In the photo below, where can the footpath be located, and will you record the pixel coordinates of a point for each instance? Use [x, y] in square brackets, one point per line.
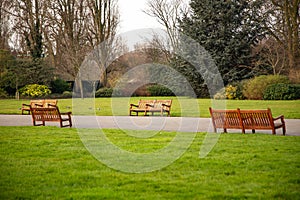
[180, 124]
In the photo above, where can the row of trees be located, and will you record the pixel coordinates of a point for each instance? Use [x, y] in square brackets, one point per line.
[54, 34]
[245, 37]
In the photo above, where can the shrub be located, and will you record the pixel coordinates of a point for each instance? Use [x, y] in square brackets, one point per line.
[59, 86]
[104, 92]
[282, 91]
[221, 94]
[3, 93]
[233, 91]
[67, 94]
[35, 90]
[255, 88]
[159, 90]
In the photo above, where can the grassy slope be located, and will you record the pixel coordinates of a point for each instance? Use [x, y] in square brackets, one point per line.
[181, 106]
[49, 162]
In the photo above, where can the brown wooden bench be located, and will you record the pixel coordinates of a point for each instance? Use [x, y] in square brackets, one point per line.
[37, 103]
[226, 119]
[152, 106]
[143, 106]
[161, 106]
[51, 114]
[246, 119]
[262, 120]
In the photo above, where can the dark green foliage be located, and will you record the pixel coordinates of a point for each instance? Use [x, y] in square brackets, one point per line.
[282, 91]
[227, 29]
[255, 88]
[3, 93]
[159, 90]
[104, 92]
[59, 86]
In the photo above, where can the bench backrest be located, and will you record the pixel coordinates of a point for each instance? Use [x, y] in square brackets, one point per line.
[46, 114]
[36, 103]
[48, 102]
[257, 118]
[166, 104]
[226, 118]
[145, 103]
[43, 103]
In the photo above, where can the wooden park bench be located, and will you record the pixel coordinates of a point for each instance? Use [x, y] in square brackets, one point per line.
[246, 119]
[143, 106]
[50, 114]
[161, 106]
[37, 103]
[152, 106]
[262, 120]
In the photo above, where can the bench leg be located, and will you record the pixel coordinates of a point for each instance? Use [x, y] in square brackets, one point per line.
[253, 130]
[283, 130]
[225, 130]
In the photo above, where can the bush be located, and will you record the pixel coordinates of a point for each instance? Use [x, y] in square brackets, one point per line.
[59, 86]
[104, 92]
[67, 94]
[255, 88]
[35, 90]
[233, 91]
[282, 91]
[3, 93]
[159, 90]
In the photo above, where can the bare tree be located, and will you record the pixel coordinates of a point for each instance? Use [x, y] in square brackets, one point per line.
[167, 13]
[284, 26]
[102, 30]
[5, 29]
[29, 19]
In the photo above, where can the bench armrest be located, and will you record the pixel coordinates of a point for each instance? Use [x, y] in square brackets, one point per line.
[66, 113]
[25, 105]
[166, 105]
[149, 105]
[281, 117]
[133, 105]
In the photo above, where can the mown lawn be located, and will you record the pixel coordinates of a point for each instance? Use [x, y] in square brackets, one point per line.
[181, 106]
[52, 163]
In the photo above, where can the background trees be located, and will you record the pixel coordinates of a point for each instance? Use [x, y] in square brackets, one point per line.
[246, 38]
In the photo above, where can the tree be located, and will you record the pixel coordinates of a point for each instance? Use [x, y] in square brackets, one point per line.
[283, 28]
[102, 30]
[5, 29]
[29, 15]
[228, 30]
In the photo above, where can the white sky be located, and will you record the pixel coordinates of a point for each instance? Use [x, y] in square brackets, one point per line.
[132, 16]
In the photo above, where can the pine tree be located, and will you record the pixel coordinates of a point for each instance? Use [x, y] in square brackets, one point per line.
[226, 29]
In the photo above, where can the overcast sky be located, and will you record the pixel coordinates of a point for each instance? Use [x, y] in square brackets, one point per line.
[132, 16]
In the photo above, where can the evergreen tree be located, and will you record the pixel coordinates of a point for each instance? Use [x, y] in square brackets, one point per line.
[226, 29]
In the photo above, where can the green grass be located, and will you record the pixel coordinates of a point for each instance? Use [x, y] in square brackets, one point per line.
[182, 106]
[52, 163]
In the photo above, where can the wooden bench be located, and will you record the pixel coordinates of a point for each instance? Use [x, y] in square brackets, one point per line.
[262, 120]
[143, 106]
[161, 106]
[226, 119]
[246, 119]
[51, 114]
[152, 106]
[37, 103]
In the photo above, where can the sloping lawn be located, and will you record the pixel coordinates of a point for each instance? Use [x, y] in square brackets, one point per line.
[181, 106]
[52, 163]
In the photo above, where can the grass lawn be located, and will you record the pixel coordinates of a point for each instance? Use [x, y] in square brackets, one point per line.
[181, 106]
[52, 163]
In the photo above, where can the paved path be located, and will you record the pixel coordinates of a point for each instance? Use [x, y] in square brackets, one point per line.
[183, 124]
